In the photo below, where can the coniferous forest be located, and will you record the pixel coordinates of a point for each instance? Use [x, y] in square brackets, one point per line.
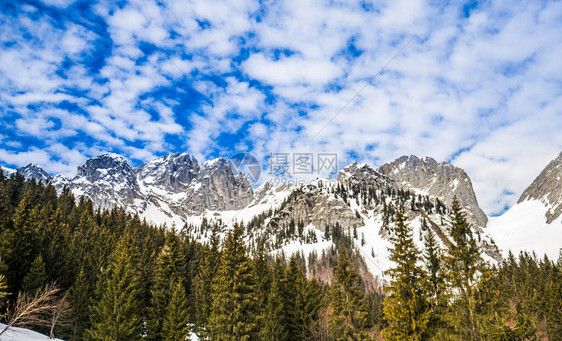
[77, 273]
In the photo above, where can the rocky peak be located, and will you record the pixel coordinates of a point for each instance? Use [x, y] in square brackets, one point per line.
[105, 166]
[362, 173]
[108, 180]
[442, 180]
[547, 187]
[217, 188]
[173, 172]
[34, 171]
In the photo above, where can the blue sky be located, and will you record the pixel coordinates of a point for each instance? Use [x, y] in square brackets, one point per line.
[478, 85]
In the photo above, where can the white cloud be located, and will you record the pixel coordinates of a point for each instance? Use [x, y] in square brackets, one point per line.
[489, 84]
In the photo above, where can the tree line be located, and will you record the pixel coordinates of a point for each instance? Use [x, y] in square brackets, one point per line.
[109, 275]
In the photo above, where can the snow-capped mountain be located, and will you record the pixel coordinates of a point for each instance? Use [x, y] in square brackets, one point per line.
[535, 222]
[165, 190]
[108, 180]
[355, 209]
[30, 171]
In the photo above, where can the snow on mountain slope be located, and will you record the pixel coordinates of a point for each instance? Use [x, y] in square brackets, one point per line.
[535, 222]
[22, 334]
[524, 227]
[34, 171]
[7, 171]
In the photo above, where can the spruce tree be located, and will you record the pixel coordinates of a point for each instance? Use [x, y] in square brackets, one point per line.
[273, 317]
[3, 295]
[348, 318]
[292, 284]
[312, 300]
[261, 273]
[79, 297]
[435, 282]
[23, 242]
[406, 309]
[36, 277]
[176, 319]
[170, 268]
[204, 280]
[233, 312]
[463, 262]
[117, 314]
[433, 264]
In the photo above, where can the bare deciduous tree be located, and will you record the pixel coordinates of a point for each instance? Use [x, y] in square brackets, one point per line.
[60, 315]
[33, 309]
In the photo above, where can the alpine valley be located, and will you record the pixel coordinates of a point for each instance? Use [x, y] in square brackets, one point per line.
[353, 210]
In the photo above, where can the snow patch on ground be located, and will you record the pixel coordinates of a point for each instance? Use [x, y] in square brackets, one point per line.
[21, 334]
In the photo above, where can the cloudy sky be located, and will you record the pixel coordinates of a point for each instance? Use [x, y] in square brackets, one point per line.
[474, 83]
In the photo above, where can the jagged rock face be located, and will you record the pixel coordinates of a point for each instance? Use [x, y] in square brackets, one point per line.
[33, 171]
[363, 174]
[108, 180]
[217, 188]
[442, 180]
[311, 205]
[173, 172]
[547, 187]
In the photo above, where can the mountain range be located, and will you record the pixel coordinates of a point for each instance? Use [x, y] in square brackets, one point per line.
[177, 191]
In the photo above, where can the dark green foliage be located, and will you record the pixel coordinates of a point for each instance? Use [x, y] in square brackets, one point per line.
[175, 326]
[3, 295]
[117, 314]
[233, 311]
[349, 317]
[407, 309]
[204, 280]
[462, 261]
[162, 282]
[36, 277]
[273, 317]
[79, 297]
[170, 269]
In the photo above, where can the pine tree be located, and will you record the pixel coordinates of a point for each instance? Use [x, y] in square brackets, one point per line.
[175, 326]
[22, 243]
[274, 328]
[204, 280]
[463, 261]
[292, 283]
[406, 309]
[79, 297]
[435, 280]
[117, 315]
[434, 265]
[3, 295]
[261, 273]
[311, 298]
[36, 277]
[233, 313]
[348, 318]
[170, 268]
